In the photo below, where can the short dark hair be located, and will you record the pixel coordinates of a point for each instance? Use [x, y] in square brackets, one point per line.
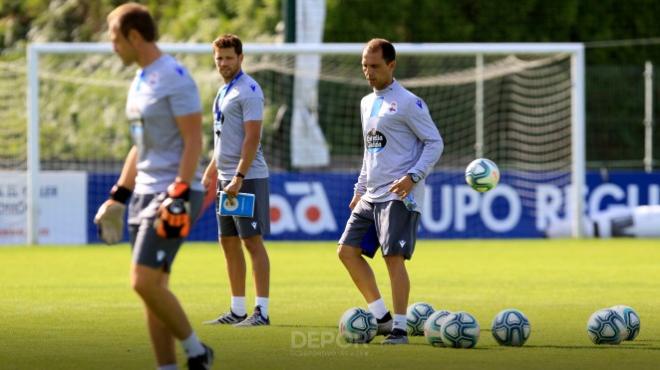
[134, 16]
[228, 41]
[389, 54]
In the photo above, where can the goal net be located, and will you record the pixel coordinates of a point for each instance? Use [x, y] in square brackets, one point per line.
[520, 105]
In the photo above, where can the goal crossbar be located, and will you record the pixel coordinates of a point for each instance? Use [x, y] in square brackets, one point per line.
[576, 51]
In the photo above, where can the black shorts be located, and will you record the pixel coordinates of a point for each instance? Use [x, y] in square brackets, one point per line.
[148, 248]
[389, 225]
[245, 227]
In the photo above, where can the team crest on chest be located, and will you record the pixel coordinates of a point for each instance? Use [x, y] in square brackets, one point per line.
[153, 78]
[392, 108]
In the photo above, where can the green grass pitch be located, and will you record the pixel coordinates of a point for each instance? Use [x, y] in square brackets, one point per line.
[72, 308]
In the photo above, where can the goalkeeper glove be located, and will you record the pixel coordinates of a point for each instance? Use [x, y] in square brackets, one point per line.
[110, 216]
[173, 220]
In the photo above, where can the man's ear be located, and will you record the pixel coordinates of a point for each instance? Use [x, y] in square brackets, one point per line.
[133, 37]
[392, 64]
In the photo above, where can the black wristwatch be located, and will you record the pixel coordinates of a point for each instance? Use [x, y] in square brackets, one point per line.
[238, 174]
[414, 177]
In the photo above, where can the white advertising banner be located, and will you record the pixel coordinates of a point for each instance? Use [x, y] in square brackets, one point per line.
[62, 207]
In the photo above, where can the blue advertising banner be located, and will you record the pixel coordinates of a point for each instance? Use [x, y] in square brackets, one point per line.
[314, 206]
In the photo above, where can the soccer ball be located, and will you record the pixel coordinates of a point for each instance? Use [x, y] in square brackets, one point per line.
[511, 328]
[482, 174]
[433, 325]
[460, 330]
[358, 326]
[606, 326]
[416, 316]
[630, 318]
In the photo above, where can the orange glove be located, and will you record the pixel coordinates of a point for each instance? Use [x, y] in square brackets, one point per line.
[173, 219]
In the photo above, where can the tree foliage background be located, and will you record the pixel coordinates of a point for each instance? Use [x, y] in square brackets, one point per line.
[502, 21]
[178, 20]
[358, 20]
[614, 74]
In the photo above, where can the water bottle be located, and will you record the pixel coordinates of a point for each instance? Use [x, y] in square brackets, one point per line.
[409, 202]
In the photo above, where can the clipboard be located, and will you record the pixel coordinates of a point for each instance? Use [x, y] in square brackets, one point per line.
[240, 206]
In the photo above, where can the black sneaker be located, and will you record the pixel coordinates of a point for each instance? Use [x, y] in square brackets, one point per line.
[226, 318]
[397, 336]
[255, 320]
[203, 361]
[384, 324]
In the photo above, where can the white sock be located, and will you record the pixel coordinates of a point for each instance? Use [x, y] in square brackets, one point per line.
[399, 322]
[238, 306]
[192, 346]
[263, 302]
[377, 308]
[168, 367]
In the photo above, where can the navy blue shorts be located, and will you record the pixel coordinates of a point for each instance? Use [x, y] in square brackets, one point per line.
[388, 225]
[245, 227]
[148, 248]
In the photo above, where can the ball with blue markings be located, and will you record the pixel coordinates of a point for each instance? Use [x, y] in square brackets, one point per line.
[511, 328]
[482, 174]
[433, 326]
[606, 326]
[358, 326]
[460, 330]
[416, 316]
[631, 319]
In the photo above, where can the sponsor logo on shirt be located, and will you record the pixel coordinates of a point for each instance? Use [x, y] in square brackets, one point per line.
[375, 141]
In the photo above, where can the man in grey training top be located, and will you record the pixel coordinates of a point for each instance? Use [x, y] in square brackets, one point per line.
[162, 175]
[240, 166]
[402, 144]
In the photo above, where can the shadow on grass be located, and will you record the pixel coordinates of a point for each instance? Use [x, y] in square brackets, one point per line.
[640, 347]
[647, 341]
[477, 348]
[298, 326]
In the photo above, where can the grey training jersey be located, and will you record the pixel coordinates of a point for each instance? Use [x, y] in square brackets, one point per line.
[237, 102]
[399, 138]
[160, 92]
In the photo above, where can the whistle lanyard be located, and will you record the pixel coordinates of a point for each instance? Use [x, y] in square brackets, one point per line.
[221, 96]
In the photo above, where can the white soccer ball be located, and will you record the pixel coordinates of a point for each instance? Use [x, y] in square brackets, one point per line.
[630, 318]
[482, 174]
[606, 326]
[358, 326]
[432, 327]
[460, 330]
[416, 316]
[511, 328]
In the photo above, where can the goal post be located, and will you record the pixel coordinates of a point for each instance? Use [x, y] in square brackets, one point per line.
[480, 64]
